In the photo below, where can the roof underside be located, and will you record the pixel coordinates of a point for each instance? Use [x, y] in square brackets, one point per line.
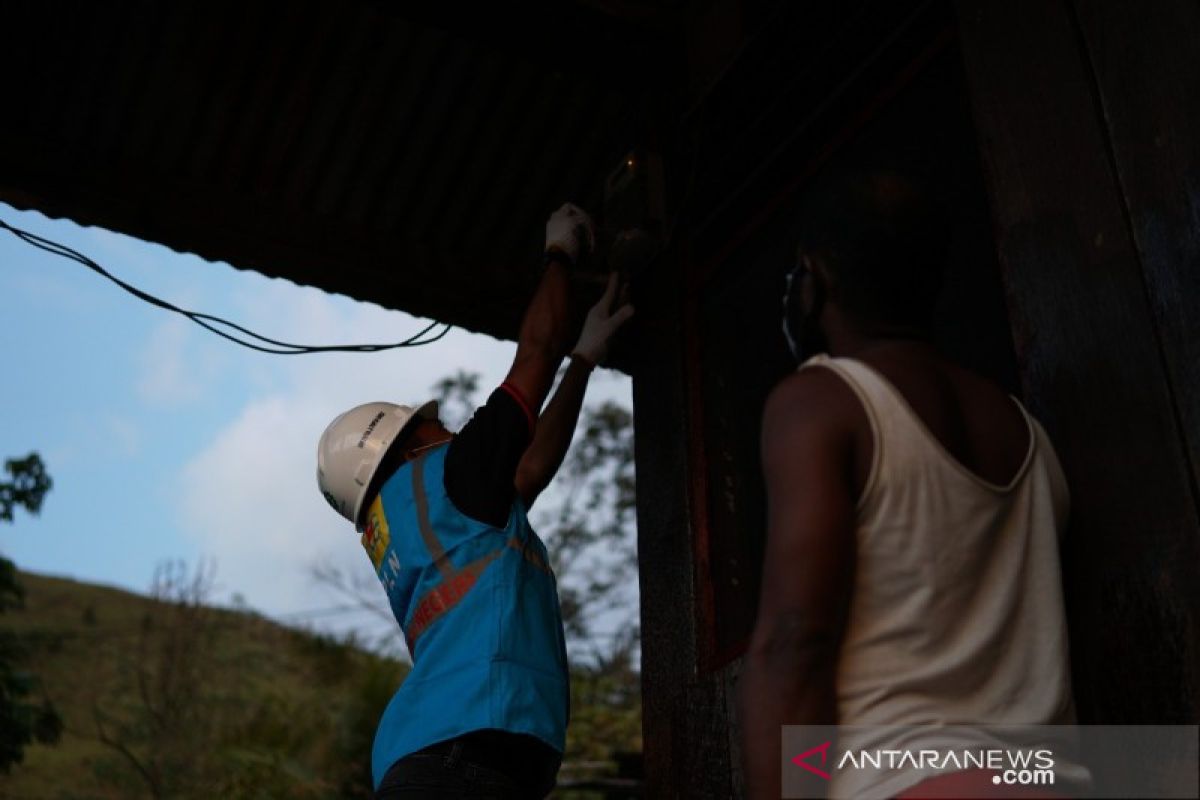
[404, 154]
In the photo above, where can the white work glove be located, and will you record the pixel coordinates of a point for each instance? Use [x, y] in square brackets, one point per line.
[600, 325]
[570, 231]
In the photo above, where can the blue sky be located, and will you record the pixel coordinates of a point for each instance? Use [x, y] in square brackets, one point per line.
[165, 441]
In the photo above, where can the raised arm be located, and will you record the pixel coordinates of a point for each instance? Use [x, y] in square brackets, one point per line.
[556, 426]
[789, 670]
[546, 329]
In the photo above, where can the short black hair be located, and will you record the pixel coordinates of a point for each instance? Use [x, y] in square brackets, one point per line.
[883, 237]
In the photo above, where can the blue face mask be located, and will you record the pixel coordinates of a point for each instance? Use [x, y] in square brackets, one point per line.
[800, 329]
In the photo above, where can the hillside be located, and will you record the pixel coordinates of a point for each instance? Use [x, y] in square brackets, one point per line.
[178, 699]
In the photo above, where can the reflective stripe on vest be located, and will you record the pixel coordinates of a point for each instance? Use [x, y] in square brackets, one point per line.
[528, 555]
[455, 583]
[445, 595]
[432, 544]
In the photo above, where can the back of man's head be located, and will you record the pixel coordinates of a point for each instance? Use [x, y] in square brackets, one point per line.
[881, 237]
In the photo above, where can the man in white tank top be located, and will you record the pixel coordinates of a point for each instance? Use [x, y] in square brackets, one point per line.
[911, 574]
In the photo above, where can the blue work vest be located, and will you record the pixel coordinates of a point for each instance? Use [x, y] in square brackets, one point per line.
[479, 609]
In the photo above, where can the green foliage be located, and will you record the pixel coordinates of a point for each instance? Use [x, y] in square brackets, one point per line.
[368, 695]
[589, 532]
[162, 718]
[166, 696]
[606, 708]
[456, 397]
[27, 488]
[24, 719]
[12, 594]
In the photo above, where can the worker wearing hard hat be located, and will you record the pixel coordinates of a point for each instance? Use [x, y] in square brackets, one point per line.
[483, 712]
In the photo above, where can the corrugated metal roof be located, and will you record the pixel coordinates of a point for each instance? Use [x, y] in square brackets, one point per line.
[397, 153]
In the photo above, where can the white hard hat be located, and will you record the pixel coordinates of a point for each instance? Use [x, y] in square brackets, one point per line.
[353, 446]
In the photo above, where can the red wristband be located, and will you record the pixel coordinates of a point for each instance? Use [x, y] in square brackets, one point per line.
[515, 393]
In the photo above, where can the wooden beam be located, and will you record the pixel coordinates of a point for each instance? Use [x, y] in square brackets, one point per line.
[666, 550]
[252, 233]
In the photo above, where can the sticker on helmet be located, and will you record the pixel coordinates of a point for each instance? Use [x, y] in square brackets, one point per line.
[370, 427]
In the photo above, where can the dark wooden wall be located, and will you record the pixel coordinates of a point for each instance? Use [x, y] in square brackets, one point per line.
[1088, 122]
[1069, 132]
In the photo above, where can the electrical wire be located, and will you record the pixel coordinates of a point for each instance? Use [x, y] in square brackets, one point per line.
[215, 324]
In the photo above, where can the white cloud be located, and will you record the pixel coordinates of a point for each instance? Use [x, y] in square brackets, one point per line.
[172, 371]
[249, 500]
[124, 436]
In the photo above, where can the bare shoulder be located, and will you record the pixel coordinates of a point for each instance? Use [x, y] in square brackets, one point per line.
[972, 381]
[998, 434]
[987, 398]
[814, 398]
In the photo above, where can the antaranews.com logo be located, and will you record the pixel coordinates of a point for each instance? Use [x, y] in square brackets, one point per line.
[980, 762]
[1011, 767]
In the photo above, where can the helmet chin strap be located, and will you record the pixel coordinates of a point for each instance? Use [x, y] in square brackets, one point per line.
[412, 452]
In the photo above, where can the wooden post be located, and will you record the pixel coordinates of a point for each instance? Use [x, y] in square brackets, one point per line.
[665, 552]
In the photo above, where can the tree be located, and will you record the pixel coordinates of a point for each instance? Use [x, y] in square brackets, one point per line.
[589, 531]
[456, 397]
[28, 486]
[163, 723]
[23, 720]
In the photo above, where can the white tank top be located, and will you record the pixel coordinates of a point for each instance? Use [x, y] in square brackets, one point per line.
[957, 613]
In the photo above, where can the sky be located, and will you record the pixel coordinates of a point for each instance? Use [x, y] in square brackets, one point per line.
[167, 442]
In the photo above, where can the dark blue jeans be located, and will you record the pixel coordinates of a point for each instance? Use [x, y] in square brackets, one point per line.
[450, 775]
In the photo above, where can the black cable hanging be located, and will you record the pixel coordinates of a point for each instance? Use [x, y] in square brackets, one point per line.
[211, 323]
